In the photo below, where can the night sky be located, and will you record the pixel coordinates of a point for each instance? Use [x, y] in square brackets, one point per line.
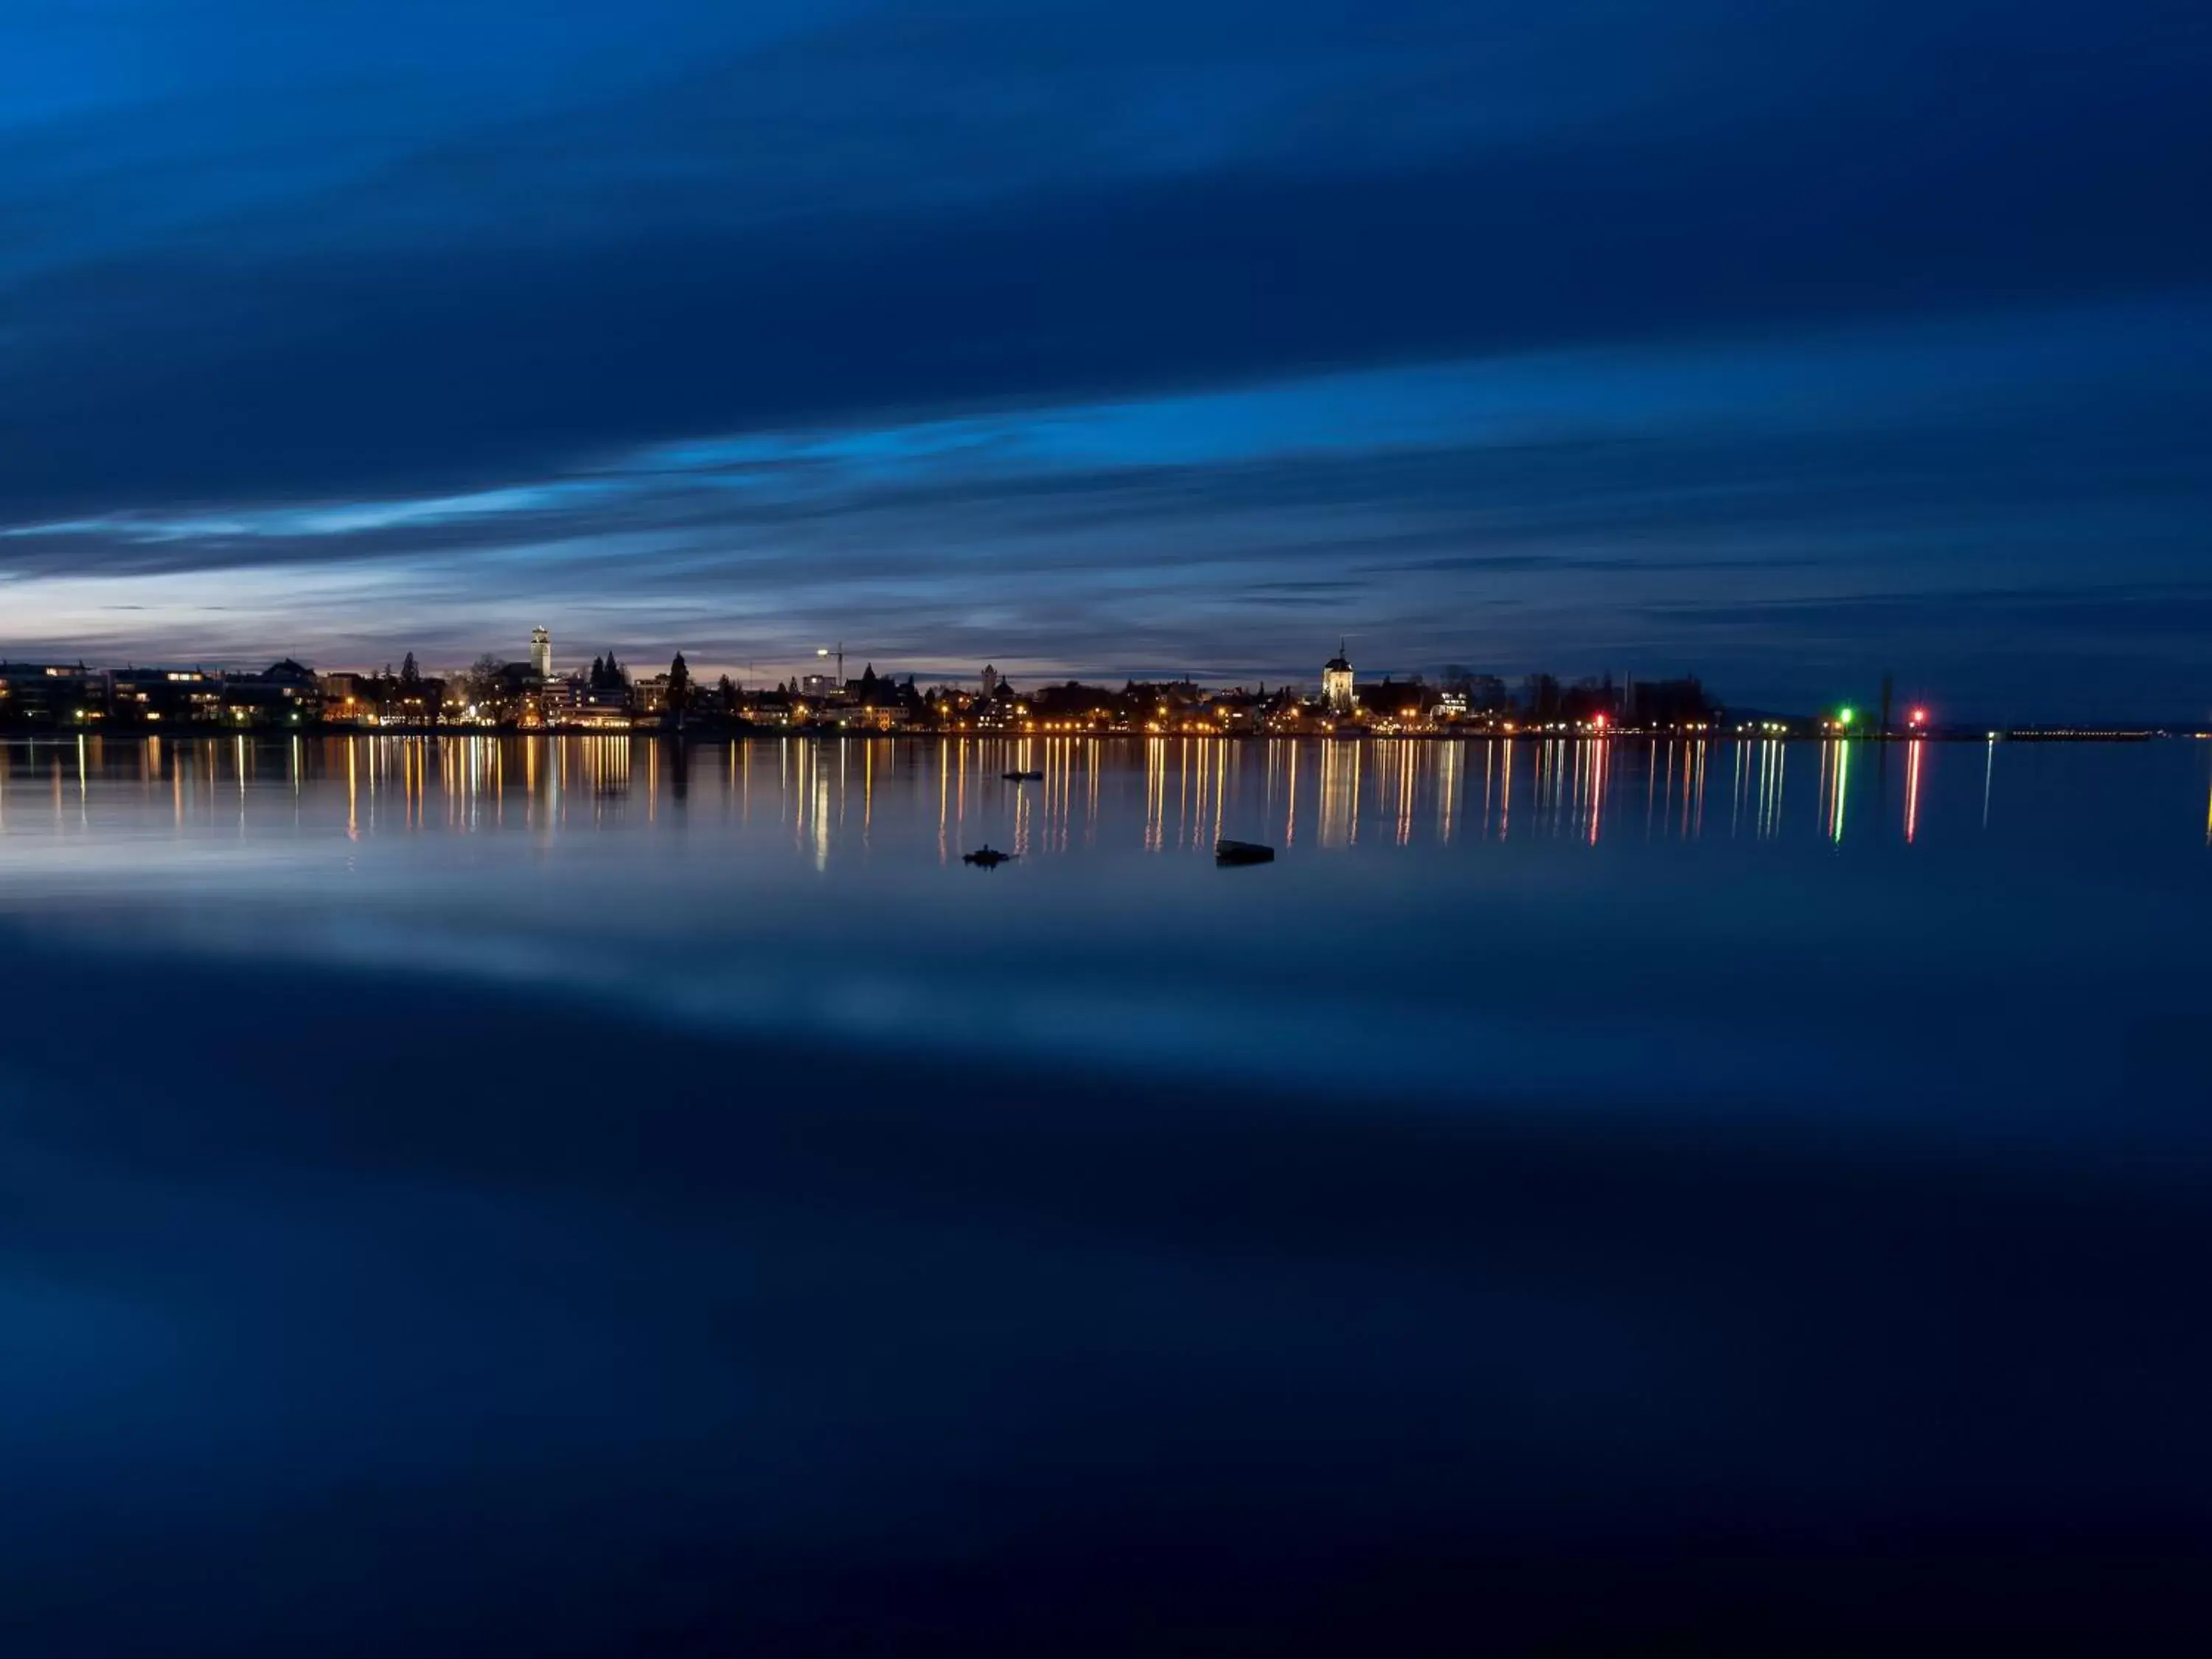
[1781, 343]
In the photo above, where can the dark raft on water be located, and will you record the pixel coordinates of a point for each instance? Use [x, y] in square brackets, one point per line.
[1242, 852]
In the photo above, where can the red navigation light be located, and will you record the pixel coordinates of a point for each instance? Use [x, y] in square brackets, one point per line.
[1599, 722]
[1920, 717]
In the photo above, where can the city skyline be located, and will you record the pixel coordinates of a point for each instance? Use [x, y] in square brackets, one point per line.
[1087, 341]
[502, 680]
[1330, 686]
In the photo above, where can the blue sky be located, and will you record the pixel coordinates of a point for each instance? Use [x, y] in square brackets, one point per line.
[1781, 343]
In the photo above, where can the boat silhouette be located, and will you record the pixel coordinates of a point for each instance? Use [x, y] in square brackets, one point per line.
[1242, 852]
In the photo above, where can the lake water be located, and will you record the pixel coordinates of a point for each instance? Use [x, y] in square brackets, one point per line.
[590, 1195]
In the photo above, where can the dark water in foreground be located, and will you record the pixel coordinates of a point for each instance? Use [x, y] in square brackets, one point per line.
[580, 1198]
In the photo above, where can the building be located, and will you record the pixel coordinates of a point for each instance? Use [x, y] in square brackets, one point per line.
[1336, 690]
[1002, 711]
[883, 717]
[349, 698]
[285, 694]
[601, 711]
[990, 682]
[771, 709]
[541, 653]
[176, 694]
[558, 699]
[41, 693]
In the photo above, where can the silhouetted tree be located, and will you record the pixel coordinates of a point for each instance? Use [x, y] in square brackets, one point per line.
[483, 683]
[599, 673]
[679, 684]
[726, 690]
[406, 691]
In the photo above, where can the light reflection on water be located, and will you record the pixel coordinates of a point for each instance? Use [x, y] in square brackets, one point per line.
[1191, 784]
[1548, 915]
[1193, 789]
[316, 1279]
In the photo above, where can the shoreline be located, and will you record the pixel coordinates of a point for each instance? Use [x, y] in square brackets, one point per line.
[747, 733]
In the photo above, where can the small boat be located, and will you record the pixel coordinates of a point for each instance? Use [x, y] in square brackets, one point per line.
[988, 857]
[1242, 852]
[1022, 777]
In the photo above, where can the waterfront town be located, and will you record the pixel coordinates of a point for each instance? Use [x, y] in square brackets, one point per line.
[531, 693]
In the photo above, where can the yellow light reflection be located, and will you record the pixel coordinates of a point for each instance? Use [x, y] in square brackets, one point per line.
[821, 819]
[1698, 819]
[1340, 793]
[1506, 791]
[1405, 776]
[1450, 766]
[1156, 793]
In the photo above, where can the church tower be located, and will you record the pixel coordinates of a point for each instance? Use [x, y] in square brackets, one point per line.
[1336, 682]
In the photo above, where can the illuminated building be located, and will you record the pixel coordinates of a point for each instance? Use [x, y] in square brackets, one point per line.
[1336, 683]
[559, 699]
[170, 694]
[348, 697]
[36, 692]
[285, 693]
[541, 653]
[1002, 710]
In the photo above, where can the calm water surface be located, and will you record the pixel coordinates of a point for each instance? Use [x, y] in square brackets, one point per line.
[587, 1196]
[2001, 940]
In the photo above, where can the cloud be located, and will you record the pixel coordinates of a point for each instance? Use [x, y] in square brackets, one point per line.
[1098, 338]
[479, 309]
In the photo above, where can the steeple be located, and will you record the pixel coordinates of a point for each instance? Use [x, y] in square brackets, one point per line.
[1336, 682]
